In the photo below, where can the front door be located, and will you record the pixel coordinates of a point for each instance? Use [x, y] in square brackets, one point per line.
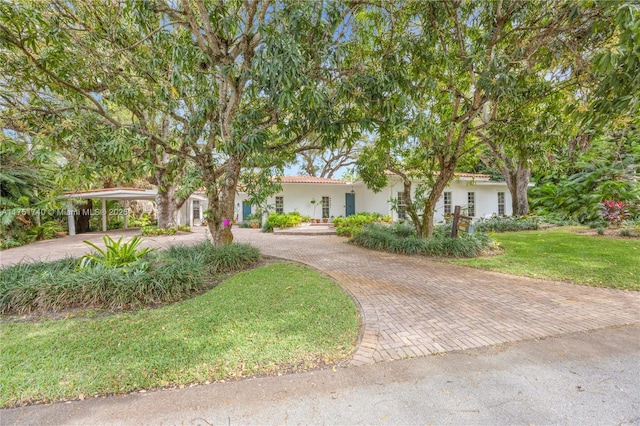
[349, 203]
[246, 210]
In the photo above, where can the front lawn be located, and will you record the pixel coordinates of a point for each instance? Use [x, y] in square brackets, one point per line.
[560, 254]
[277, 318]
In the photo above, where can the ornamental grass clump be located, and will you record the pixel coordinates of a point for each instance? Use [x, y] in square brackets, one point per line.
[105, 281]
[400, 238]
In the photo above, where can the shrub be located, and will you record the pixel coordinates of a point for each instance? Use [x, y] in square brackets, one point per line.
[400, 238]
[614, 212]
[168, 276]
[46, 231]
[600, 230]
[154, 231]
[628, 232]
[507, 224]
[352, 225]
[277, 220]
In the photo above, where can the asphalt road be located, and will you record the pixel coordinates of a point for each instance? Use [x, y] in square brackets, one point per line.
[579, 379]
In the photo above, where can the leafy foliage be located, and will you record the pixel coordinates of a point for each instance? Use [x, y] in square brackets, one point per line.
[402, 238]
[116, 254]
[285, 220]
[608, 170]
[169, 275]
[614, 212]
[352, 225]
[153, 231]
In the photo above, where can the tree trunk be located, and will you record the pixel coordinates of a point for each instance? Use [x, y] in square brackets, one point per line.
[165, 200]
[518, 184]
[440, 184]
[424, 222]
[83, 217]
[222, 197]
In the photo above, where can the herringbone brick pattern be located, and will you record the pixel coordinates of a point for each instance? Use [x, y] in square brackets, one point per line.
[412, 306]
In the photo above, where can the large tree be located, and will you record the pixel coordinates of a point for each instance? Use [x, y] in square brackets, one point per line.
[444, 69]
[217, 83]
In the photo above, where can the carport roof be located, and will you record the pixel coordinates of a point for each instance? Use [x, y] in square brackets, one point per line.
[115, 194]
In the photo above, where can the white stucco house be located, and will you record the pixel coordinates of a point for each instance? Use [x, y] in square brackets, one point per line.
[477, 194]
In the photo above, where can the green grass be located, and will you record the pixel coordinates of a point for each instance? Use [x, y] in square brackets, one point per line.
[561, 255]
[279, 317]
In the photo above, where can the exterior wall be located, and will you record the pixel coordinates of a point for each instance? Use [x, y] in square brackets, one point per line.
[486, 195]
[298, 196]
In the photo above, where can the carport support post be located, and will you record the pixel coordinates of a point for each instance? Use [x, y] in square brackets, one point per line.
[125, 214]
[190, 207]
[104, 215]
[70, 219]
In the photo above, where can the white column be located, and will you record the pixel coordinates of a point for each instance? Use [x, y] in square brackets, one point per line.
[190, 207]
[104, 215]
[125, 215]
[70, 219]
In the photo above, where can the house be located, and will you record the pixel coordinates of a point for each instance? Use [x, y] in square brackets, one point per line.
[318, 198]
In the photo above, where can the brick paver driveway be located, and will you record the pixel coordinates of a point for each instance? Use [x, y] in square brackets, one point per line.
[413, 306]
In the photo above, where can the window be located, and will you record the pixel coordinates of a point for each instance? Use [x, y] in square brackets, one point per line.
[326, 206]
[279, 205]
[402, 206]
[471, 203]
[501, 203]
[447, 203]
[196, 209]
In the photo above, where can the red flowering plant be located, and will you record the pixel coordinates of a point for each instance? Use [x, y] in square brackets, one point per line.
[614, 212]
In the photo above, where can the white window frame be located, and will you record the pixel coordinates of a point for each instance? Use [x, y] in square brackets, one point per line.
[471, 204]
[447, 197]
[280, 204]
[501, 204]
[326, 206]
[402, 206]
[196, 209]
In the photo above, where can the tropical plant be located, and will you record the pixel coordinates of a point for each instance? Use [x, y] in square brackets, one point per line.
[115, 254]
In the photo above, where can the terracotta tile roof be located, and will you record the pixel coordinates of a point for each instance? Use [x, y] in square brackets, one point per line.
[310, 179]
[465, 175]
[105, 190]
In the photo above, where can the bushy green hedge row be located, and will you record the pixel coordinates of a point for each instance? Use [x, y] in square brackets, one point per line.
[162, 276]
[352, 225]
[401, 238]
[152, 230]
[507, 224]
[284, 220]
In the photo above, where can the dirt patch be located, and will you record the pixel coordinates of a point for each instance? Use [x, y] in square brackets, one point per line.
[610, 233]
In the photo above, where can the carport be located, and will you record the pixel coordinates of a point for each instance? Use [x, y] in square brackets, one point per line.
[119, 194]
